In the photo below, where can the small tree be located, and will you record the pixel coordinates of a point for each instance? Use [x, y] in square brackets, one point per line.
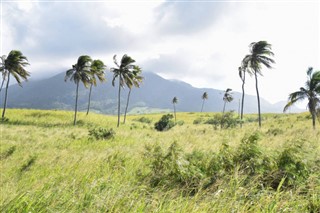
[174, 102]
[204, 97]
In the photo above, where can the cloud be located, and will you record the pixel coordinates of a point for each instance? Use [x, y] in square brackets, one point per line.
[65, 29]
[188, 17]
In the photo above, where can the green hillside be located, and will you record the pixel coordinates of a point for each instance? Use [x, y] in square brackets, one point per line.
[48, 165]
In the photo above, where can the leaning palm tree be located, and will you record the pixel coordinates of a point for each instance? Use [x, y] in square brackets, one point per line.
[174, 102]
[14, 65]
[260, 53]
[80, 72]
[227, 98]
[136, 80]
[204, 97]
[311, 92]
[123, 71]
[3, 71]
[242, 74]
[97, 70]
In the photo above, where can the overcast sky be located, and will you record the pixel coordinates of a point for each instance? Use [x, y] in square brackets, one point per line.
[199, 42]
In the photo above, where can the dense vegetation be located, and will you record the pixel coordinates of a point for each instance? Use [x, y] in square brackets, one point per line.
[49, 165]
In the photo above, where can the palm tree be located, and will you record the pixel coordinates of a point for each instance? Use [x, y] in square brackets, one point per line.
[81, 71]
[97, 70]
[123, 71]
[242, 74]
[204, 97]
[227, 98]
[174, 102]
[311, 91]
[3, 71]
[260, 53]
[136, 79]
[14, 65]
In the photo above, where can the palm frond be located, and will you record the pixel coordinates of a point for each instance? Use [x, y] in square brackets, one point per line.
[296, 97]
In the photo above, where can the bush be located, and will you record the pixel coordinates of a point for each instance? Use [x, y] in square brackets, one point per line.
[174, 169]
[249, 156]
[101, 133]
[226, 120]
[143, 120]
[198, 121]
[165, 123]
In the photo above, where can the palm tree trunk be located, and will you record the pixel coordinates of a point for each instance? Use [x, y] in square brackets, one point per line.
[89, 99]
[242, 100]
[5, 98]
[224, 107]
[222, 118]
[202, 105]
[76, 105]
[313, 120]
[119, 101]
[2, 84]
[125, 112]
[258, 97]
[174, 110]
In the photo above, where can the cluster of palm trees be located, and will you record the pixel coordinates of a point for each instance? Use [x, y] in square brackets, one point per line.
[87, 71]
[259, 54]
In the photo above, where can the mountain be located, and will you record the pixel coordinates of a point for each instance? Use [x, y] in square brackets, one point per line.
[155, 93]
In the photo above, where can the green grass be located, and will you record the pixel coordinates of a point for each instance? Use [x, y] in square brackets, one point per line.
[48, 165]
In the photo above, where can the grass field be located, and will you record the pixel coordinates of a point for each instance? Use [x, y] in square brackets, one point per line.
[48, 165]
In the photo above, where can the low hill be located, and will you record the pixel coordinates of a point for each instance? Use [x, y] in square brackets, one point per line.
[155, 94]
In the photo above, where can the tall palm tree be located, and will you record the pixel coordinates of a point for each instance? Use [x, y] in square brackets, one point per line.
[97, 70]
[137, 80]
[311, 92]
[80, 72]
[204, 97]
[260, 53]
[227, 98]
[123, 71]
[14, 65]
[174, 102]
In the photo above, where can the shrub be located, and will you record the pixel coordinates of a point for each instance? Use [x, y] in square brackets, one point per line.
[143, 120]
[174, 169]
[165, 123]
[101, 133]
[249, 156]
[198, 121]
[226, 120]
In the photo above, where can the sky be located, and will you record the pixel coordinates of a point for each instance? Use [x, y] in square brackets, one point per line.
[199, 42]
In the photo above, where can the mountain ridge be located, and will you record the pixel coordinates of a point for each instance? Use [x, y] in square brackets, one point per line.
[154, 92]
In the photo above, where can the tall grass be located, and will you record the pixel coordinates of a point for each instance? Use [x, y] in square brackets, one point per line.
[48, 165]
